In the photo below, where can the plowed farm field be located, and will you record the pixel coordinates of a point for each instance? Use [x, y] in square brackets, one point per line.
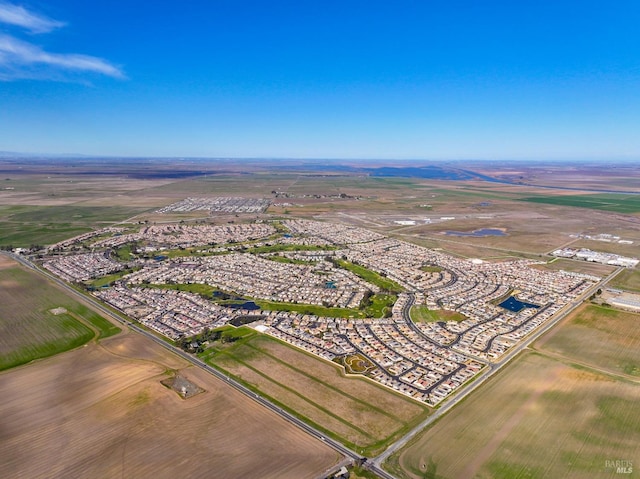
[101, 411]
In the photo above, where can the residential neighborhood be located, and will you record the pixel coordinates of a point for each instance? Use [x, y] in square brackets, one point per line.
[304, 262]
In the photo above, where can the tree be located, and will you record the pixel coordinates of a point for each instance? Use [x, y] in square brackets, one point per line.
[366, 299]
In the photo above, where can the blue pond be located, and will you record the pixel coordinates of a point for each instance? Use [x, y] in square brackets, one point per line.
[515, 305]
[478, 233]
[249, 306]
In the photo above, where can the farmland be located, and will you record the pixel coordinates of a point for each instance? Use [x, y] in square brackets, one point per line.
[30, 330]
[574, 419]
[618, 203]
[628, 279]
[101, 411]
[355, 411]
[26, 225]
[598, 336]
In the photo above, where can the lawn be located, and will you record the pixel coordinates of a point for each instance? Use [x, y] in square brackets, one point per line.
[107, 279]
[422, 314]
[431, 269]
[370, 276]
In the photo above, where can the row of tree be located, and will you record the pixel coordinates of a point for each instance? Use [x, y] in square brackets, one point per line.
[195, 344]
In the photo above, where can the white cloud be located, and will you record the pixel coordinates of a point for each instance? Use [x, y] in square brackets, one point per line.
[20, 59]
[19, 16]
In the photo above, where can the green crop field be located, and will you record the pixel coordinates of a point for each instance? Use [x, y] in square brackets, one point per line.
[357, 412]
[22, 226]
[29, 329]
[618, 203]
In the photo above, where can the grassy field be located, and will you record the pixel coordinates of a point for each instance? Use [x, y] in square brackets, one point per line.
[380, 303]
[628, 279]
[371, 276]
[618, 203]
[598, 336]
[539, 418]
[422, 314]
[107, 280]
[431, 269]
[524, 231]
[23, 226]
[362, 415]
[28, 328]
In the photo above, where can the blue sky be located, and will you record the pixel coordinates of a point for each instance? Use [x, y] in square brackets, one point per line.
[322, 79]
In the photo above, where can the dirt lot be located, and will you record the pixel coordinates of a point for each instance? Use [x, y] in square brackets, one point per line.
[92, 413]
[578, 266]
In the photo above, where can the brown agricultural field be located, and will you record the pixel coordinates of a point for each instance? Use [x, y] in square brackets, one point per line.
[69, 188]
[539, 418]
[133, 346]
[354, 410]
[526, 229]
[93, 413]
[598, 336]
